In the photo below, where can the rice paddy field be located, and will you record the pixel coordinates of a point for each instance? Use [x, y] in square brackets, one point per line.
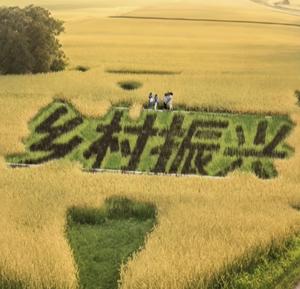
[233, 67]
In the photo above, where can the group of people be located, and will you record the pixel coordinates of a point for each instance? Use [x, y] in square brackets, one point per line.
[167, 101]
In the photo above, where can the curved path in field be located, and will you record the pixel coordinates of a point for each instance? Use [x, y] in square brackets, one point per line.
[207, 20]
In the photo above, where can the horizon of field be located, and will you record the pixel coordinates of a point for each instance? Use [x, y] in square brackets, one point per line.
[198, 8]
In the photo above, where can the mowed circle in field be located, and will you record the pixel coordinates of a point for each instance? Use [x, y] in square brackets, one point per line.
[130, 84]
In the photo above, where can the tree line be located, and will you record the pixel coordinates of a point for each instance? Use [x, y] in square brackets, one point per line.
[29, 41]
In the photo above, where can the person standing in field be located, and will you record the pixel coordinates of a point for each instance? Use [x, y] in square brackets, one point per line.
[151, 100]
[156, 101]
[165, 100]
[168, 100]
[171, 101]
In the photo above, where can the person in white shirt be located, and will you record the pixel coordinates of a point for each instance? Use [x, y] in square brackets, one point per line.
[156, 101]
[151, 100]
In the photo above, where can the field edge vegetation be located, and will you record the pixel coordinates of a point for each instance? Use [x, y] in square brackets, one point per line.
[277, 267]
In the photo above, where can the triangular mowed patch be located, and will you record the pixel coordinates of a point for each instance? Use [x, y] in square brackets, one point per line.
[102, 239]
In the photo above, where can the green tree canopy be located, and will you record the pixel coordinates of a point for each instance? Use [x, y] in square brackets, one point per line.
[28, 41]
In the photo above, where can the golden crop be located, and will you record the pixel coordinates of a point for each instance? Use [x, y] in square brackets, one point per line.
[204, 224]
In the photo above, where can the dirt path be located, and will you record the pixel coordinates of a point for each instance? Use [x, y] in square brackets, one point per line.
[208, 20]
[298, 286]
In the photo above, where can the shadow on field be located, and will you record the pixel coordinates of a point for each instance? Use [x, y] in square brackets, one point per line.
[103, 239]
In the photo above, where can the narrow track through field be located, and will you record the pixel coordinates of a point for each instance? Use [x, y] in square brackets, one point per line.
[207, 20]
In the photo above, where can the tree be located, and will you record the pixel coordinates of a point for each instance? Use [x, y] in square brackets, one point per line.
[28, 41]
[297, 93]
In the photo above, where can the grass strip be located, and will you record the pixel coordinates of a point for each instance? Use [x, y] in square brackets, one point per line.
[276, 268]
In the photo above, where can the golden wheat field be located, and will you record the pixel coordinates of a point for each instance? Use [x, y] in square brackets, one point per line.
[204, 224]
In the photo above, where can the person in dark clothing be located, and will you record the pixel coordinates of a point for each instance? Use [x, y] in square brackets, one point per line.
[168, 100]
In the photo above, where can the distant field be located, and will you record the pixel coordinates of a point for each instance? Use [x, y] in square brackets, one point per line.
[205, 226]
[292, 7]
